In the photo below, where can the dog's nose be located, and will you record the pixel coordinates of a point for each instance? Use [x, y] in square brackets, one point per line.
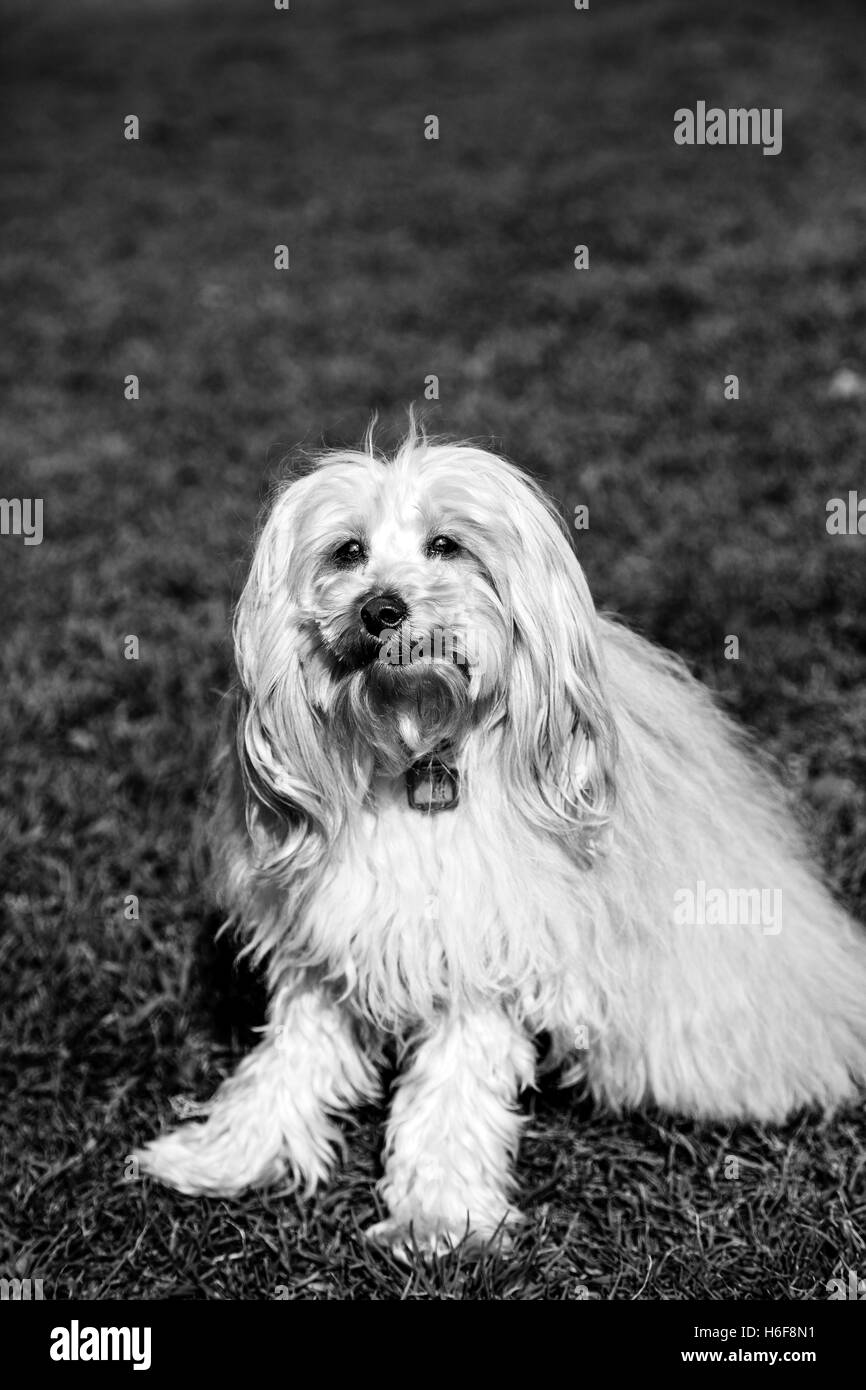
[385, 610]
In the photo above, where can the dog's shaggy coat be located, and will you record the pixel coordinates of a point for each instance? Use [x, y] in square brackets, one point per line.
[597, 783]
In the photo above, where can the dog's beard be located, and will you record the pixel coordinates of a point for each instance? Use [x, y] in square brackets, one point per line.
[413, 689]
[399, 713]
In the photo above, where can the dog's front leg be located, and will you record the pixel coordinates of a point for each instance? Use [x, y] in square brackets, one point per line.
[453, 1133]
[271, 1121]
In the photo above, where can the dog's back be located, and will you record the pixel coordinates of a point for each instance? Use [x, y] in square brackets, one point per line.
[734, 983]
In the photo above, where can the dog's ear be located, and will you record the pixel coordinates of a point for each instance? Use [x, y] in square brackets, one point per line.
[293, 796]
[560, 746]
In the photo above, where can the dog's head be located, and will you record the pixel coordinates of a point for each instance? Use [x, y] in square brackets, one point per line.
[396, 606]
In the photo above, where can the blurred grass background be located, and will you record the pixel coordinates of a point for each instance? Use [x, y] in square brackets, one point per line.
[408, 257]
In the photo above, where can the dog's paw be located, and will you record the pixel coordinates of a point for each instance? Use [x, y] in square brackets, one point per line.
[190, 1160]
[176, 1159]
[407, 1239]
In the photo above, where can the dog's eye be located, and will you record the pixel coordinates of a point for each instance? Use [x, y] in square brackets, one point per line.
[349, 553]
[442, 546]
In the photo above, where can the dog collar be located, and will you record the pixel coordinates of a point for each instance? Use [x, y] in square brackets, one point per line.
[432, 785]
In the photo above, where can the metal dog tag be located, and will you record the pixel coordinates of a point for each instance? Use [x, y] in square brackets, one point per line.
[432, 786]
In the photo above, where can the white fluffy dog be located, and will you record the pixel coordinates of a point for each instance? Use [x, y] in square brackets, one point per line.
[461, 811]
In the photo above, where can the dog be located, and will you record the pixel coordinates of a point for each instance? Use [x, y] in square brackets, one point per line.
[461, 812]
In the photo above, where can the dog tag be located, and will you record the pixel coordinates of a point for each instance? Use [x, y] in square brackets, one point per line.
[432, 785]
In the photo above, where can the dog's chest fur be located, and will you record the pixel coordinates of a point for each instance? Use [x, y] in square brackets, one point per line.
[417, 910]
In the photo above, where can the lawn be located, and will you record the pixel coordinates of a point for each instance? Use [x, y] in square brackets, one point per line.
[408, 257]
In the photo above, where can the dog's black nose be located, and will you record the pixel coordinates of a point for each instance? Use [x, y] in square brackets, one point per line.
[385, 610]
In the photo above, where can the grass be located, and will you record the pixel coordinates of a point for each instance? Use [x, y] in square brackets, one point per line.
[408, 257]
